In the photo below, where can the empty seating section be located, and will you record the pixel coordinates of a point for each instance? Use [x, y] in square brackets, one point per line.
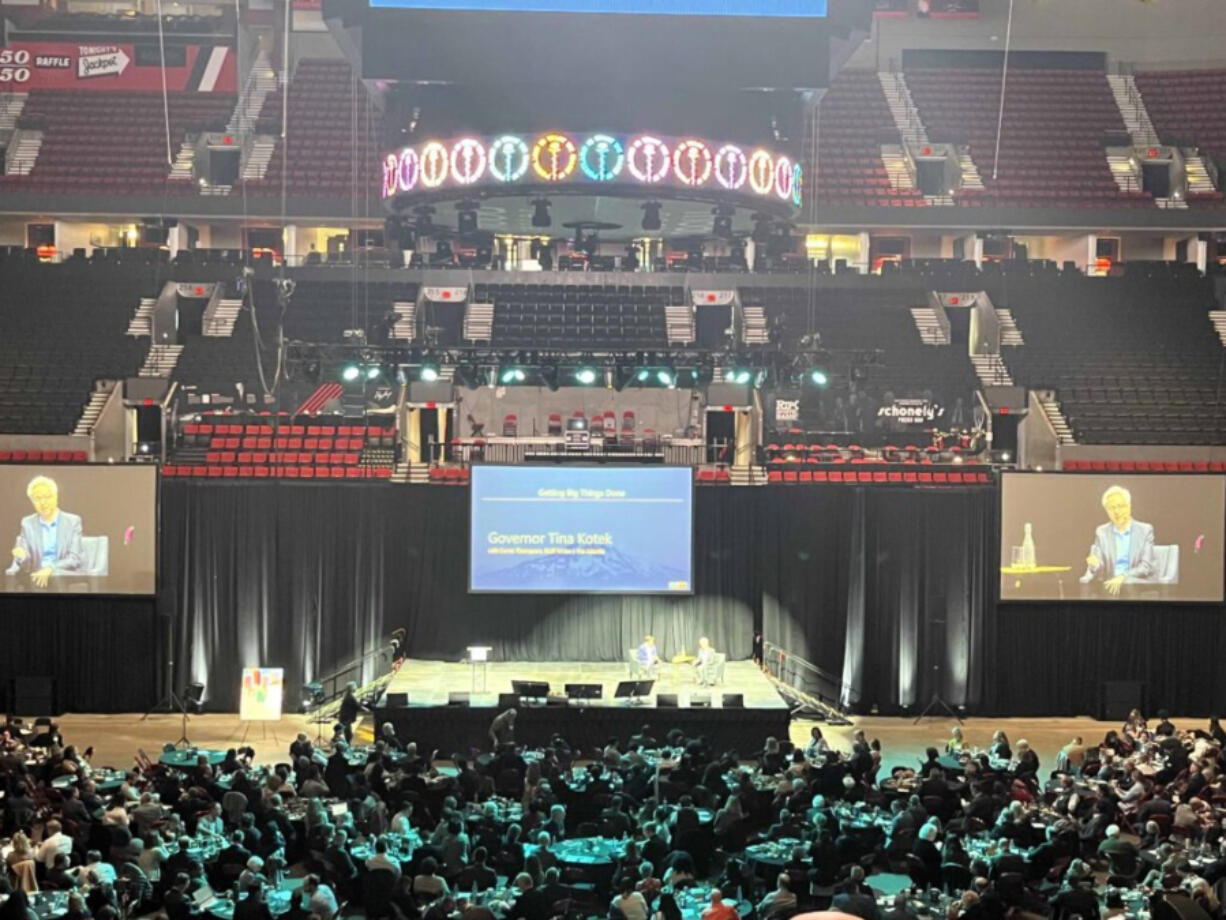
[1051, 152]
[43, 455]
[855, 121]
[277, 448]
[856, 324]
[1133, 360]
[61, 329]
[548, 316]
[113, 143]
[332, 128]
[1186, 110]
[321, 311]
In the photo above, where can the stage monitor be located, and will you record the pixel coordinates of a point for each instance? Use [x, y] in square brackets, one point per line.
[530, 689]
[581, 530]
[1111, 537]
[86, 529]
[584, 691]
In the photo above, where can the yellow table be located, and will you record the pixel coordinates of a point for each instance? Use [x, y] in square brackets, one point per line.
[1018, 571]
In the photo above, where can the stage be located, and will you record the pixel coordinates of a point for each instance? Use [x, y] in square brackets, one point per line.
[425, 715]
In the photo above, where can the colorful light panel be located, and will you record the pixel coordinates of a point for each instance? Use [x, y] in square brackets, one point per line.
[601, 158]
[508, 158]
[647, 159]
[798, 180]
[409, 171]
[692, 162]
[391, 163]
[783, 178]
[731, 167]
[762, 172]
[554, 157]
[468, 160]
[434, 160]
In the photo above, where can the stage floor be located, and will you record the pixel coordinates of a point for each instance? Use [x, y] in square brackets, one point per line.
[429, 683]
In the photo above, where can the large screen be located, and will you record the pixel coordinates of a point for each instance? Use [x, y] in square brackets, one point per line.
[1109, 537]
[581, 530]
[79, 529]
[789, 8]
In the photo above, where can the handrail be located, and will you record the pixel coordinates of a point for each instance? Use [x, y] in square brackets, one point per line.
[333, 685]
[806, 676]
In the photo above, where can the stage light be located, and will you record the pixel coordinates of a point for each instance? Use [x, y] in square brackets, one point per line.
[642, 375]
[762, 172]
[372, 372]
[586, 376]
[540, 213]
[350, 373]
[601, 158]
[508, 158]
[434, 162]
[818, 377]
[692, 162]
[429, 373]
[740, 375]
[647, 159]
[193, 697]
[798, 179]
[513, 375]
[666, 378]
[554, 157]
[731, 167]
[651, 216]
[467, 160]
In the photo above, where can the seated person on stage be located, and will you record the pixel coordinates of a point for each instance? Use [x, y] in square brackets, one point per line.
[49, 542]
[1123, 548]
[704, 662]
[648, 657]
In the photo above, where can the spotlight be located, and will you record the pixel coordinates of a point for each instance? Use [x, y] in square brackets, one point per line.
[818, 377]
[651, 215]
[350, 373]
[540, 213]
[429, 373]
[740, 376]
[513, 375]
[193, 697]
[372, 372]
[586, 376]
[667, 378]
[643, 375]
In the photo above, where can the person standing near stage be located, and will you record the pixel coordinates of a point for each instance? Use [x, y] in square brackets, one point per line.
[648, 657]
[502, 729]
[351, 708]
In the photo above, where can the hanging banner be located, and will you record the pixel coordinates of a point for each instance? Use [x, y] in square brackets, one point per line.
[133, 66]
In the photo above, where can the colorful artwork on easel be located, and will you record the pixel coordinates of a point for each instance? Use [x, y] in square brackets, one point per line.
[260, 699]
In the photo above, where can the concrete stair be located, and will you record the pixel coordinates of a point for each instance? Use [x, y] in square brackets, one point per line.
[1199, 181]
[259, 157]
[24, 146]
[142, 320]
[753, 326]
[1009, 333]
[897, 167]
[185, 159]
[260, 82]
[991, 370]
[161, 361]
[903, 108]
[479, 322]
[1125, 172]
[1055, 415]
[93, 407]
[970, 173]
[11, 107]
[1218, 318]
[1132, 108]
[405, 328]
[679, 322]
[930, 329]
[221, 323]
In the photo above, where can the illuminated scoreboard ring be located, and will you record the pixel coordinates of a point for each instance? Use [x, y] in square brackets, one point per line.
[646, 166]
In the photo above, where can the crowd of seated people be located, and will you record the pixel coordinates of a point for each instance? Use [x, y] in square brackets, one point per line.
[663, 827]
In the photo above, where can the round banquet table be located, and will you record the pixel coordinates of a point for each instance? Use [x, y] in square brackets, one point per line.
[187, 758]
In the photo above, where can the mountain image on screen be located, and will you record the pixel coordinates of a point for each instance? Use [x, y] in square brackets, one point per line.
[612, 571]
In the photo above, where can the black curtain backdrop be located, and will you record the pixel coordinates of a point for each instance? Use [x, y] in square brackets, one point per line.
[892, 591]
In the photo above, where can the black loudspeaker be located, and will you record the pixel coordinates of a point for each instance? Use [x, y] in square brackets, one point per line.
[1117, 698]
[507, 701]
[734, 701]
[35, 696]
[397, 700]
[458, 698]
[666, 700]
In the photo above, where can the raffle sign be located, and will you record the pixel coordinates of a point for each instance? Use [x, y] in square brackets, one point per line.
[192, 68]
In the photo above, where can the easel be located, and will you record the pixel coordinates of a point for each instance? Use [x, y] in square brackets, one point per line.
[263, 723]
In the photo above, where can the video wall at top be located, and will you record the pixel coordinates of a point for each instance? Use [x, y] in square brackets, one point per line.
[1075, 537]
[79, 529]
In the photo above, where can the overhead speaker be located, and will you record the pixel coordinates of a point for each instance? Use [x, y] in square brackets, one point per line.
[459, 698]
[397, 700]
[734, 701]
[666, 700]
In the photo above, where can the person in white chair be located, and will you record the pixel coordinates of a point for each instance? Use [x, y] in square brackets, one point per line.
[704, 662]
[49, 542]
[648, 657]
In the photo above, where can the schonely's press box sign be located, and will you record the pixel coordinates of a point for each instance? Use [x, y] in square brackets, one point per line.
[193, 67]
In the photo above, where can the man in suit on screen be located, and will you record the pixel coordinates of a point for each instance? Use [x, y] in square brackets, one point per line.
[50, 539]
[1123, 548]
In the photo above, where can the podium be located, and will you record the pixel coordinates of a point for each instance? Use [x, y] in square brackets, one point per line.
[478, 662]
